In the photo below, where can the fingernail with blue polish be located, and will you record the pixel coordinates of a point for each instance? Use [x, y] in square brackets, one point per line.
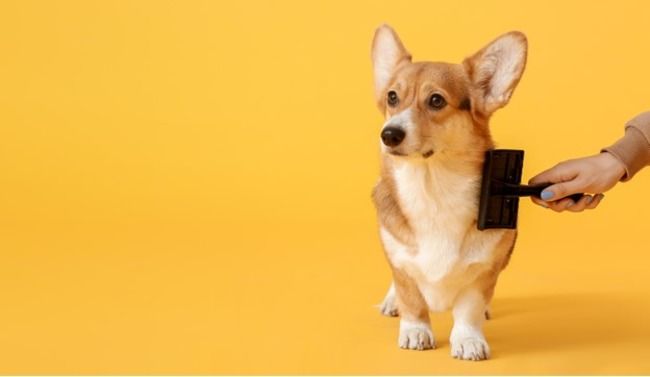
[546, 195]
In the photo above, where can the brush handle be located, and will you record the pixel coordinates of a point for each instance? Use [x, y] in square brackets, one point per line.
[514, 190]
[536, 191]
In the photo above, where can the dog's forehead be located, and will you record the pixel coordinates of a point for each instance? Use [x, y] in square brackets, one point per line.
[435, 75]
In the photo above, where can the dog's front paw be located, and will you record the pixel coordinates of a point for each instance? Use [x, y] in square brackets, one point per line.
[389, 309]
[389, 306]
[473, 348]
[415, 336]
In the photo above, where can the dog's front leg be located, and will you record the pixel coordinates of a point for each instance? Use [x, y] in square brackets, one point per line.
[388, 307]
[467, 339]
[414, 327]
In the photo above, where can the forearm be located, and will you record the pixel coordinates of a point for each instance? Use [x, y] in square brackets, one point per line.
[633, 149]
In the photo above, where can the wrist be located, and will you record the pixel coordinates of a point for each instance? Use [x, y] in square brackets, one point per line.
[611, 163]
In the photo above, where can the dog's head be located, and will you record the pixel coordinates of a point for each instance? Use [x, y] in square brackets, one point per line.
[441, 108]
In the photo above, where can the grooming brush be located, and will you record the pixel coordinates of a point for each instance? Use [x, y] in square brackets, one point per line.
[501, 189]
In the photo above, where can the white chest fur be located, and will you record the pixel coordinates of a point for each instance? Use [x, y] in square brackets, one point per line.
[441, 206]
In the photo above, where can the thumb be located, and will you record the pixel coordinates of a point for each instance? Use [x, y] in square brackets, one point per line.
[561, 190]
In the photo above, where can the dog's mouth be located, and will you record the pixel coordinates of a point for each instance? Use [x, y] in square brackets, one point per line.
[426, 154]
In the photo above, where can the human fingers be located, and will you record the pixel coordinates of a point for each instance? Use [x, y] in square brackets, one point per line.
[539, 201]
[561, 205]
[595, 202]
[581, 204]
[562, 190]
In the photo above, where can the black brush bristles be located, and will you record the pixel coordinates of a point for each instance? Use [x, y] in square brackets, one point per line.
[502, 168]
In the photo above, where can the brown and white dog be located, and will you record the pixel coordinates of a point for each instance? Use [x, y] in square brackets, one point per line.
[433, 143]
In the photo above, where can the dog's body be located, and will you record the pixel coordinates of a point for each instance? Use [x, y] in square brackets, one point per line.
[434, 142]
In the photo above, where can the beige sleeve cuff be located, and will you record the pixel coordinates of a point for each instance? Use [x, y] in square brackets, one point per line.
[634, 148]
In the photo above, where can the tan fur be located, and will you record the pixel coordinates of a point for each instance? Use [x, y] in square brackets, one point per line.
[458, 136]
[388, 208]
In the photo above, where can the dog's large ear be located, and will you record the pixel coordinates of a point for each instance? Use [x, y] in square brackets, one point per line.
[387, 53]
[495, 70]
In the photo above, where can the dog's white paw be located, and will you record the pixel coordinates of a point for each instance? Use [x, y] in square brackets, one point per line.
[389, 306]
[389, 309]
[473, 348]
[415, 336]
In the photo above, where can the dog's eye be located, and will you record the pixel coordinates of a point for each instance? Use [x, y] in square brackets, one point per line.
[392, 99]
[436, 101]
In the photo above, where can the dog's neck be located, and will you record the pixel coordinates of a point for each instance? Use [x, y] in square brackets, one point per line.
[436, 190]
[462, 163]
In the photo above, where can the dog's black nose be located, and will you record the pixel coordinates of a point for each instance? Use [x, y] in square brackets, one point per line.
[392, 136]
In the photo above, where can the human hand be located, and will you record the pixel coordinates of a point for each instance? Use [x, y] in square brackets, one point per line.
[593, 174]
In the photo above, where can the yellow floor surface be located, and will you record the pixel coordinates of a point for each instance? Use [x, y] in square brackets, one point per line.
[181, 300]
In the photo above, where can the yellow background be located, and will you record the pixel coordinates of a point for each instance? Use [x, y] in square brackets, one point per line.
[184, 187]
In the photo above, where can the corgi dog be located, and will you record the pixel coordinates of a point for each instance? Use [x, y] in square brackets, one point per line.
[433, 143]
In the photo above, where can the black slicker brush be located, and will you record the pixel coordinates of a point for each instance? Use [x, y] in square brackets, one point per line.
[501, 189]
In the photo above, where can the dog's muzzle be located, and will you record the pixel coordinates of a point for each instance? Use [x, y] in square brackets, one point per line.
[392, 136]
